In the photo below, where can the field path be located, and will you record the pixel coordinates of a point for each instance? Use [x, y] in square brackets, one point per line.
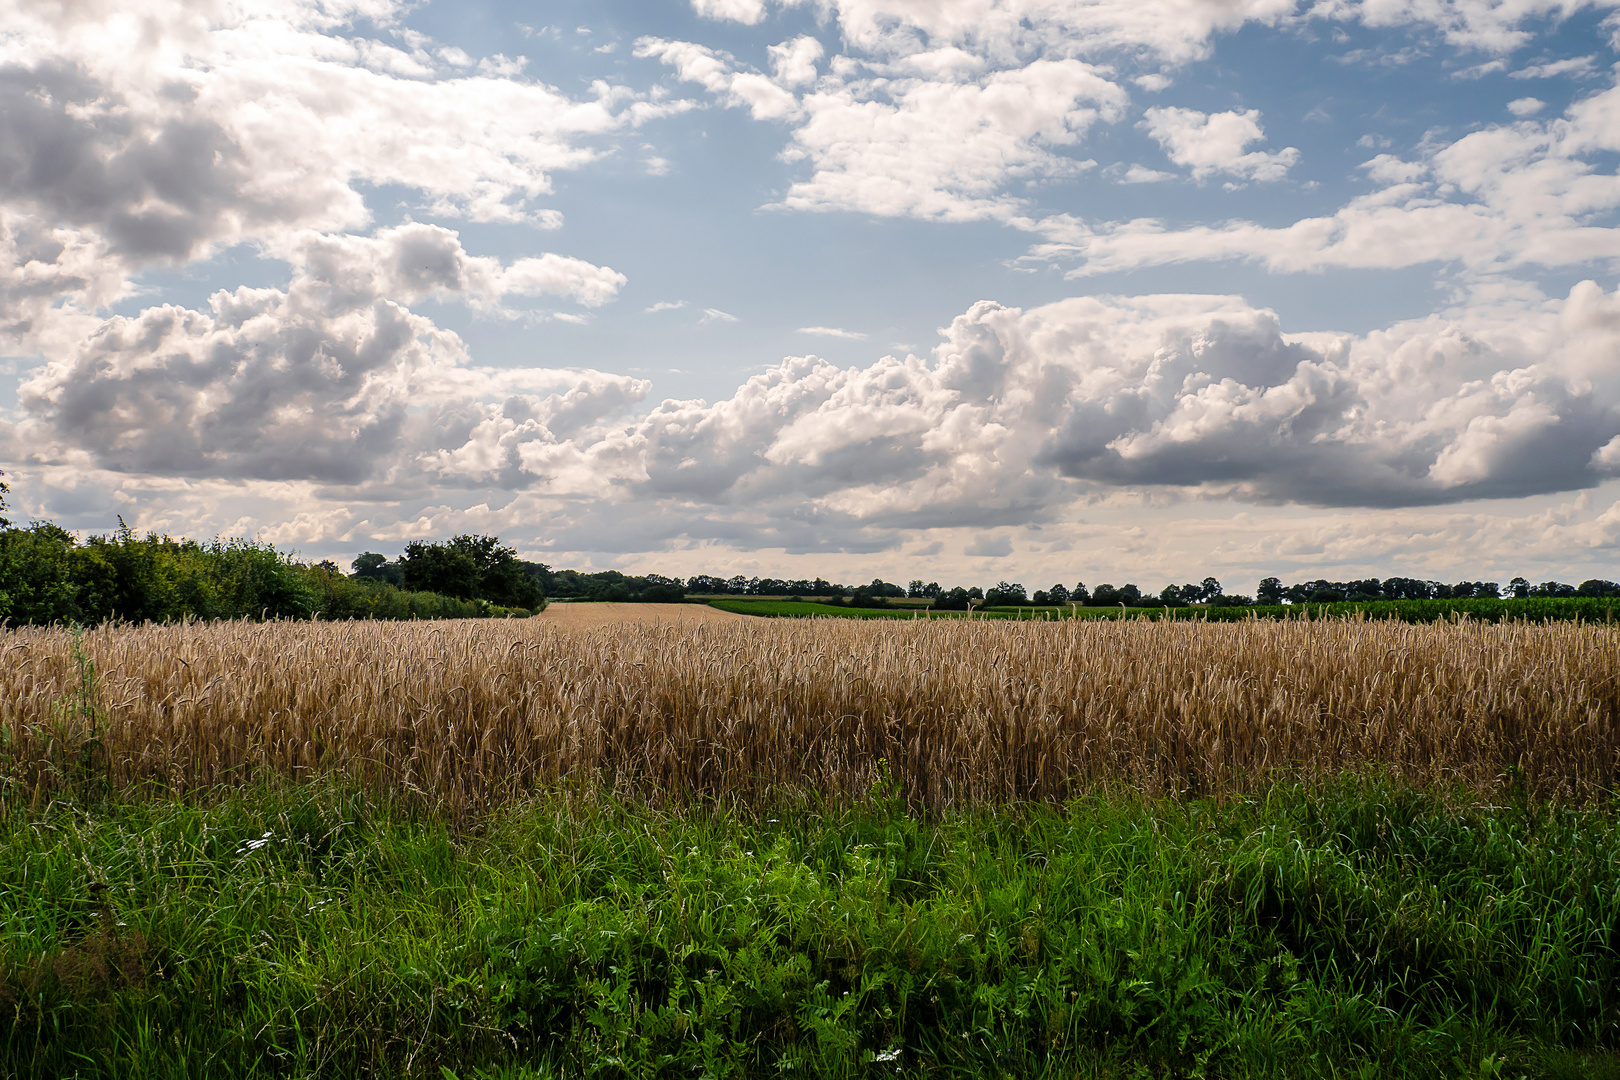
[594, 615]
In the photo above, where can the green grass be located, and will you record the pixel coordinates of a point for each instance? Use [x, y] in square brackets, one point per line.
[802, 609]
[1355, 928]
[1534, 609]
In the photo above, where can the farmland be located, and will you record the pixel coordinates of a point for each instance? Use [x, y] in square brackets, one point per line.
[1529, 609]
[714, 845]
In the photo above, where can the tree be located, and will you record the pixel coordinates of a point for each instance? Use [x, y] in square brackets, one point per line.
[373, 567]
[1079, 594]
[1171, 596]
[1208, 590]
[1270, 591]
[439, 568]
[1005, 593]
[1105, 595]
[1058, 594]
[5, 489]
[470, 568]
[1519, 587]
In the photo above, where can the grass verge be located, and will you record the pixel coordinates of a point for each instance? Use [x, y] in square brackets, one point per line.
[1354, 928]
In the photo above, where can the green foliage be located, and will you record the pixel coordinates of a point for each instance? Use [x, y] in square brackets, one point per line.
[470, 568]
[48, 576]
[1351, 928]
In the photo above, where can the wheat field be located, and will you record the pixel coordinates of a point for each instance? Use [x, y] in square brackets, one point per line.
[471, 714]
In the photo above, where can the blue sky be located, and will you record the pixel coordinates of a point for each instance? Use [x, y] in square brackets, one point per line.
[963, 290]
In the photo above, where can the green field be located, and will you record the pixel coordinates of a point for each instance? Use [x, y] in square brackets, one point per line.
[803, 609]
[1535, 609]
[1356, 928]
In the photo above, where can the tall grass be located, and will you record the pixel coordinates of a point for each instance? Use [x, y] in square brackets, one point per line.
[1341, 930]
[471, 715]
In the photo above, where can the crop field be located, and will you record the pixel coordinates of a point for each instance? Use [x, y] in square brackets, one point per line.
[805, 609]
[627, 842]
[1530, 609]
[469, 715]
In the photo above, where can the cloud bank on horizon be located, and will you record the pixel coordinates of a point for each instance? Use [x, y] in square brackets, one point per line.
[253, 256]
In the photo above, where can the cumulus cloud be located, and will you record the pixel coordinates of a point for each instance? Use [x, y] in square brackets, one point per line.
[942, 150]
[794, 62]
[330, 380]
[413, 261]
[1019, 418]
[718, 73]
[232, 124]
[748, 12]
[1530, 193]
[1210, 143]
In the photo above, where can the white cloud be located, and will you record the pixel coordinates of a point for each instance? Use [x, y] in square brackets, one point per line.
[1017, 415]
[717, 73]
[262, 124]
[1141, 174]
[1529, 193]
[413, 261]
[1389, 169]
[748, 12]
[716, 315]
[666, 305]
[1215, 143]
[1576, 66]
[941, 150]
[794, 62]
[1526, 106]
[833, 332]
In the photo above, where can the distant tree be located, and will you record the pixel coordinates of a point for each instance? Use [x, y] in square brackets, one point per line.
[915, 589]
[974, 593]
[1208, 590]
[373, 567]
[1130, 595]
[1040, 598]
[1270, 591]
[1105, 595]
[368, 564]
[1058, 594]
[1597, 587]
[1171, 596]
[1080, 594]
[470, 567]
[737, 585]
[1403, 588]
[955, 600]
[932, 590]
[5, 489]
[441, 568]
[1519, 587]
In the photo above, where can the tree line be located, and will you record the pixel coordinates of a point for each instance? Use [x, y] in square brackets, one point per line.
[49, 575]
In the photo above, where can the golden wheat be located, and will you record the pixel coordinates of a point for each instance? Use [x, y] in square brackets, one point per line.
[469, 714]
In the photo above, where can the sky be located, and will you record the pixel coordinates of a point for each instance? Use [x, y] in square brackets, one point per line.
[961, 290]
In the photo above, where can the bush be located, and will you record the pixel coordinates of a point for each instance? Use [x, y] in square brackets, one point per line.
[48, 576]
